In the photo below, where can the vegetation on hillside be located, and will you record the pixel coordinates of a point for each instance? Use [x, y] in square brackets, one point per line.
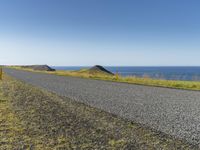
[85, 73]
[32, 118]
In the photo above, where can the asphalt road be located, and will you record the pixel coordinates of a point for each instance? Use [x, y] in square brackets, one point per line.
[175, 112]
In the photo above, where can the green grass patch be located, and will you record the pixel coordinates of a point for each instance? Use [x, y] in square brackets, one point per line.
[31, 118]
[187, 85]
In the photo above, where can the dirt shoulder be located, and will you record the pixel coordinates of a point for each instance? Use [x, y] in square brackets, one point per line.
[31, 118]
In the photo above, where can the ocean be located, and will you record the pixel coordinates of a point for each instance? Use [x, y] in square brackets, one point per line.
[168, 73]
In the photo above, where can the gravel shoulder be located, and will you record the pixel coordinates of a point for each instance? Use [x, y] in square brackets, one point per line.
[170, 111]
[31, 118]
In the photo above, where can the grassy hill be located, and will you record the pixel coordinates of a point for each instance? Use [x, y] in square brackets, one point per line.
[99, 75]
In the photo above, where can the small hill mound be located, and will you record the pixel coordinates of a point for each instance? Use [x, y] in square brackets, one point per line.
[99, 69]
[39, 67]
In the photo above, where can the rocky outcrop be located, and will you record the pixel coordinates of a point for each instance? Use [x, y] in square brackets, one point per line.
[98, 68]
[39, 67]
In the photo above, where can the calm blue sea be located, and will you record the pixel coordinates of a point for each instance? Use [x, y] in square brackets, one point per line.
[169, 73]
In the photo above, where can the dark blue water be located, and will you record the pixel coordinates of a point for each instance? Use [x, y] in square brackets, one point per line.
[168, 73]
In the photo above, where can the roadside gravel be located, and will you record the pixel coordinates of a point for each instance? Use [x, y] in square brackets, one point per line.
[172, 111]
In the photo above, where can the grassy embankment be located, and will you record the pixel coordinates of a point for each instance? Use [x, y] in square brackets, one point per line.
[188, 85]
[31, 118]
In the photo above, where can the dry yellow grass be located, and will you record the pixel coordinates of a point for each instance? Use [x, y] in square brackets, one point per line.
[31, 118]
[187, 85]
[1, 73]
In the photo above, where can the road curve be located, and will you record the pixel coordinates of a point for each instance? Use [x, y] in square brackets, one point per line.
[175, 112]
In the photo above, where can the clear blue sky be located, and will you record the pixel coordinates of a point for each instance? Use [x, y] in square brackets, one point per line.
[105, 32]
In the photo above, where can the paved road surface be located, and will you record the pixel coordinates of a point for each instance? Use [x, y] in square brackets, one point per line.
[175, 112]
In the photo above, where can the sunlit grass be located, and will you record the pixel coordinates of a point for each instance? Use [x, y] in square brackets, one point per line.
[32, 118]
[85, 73]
